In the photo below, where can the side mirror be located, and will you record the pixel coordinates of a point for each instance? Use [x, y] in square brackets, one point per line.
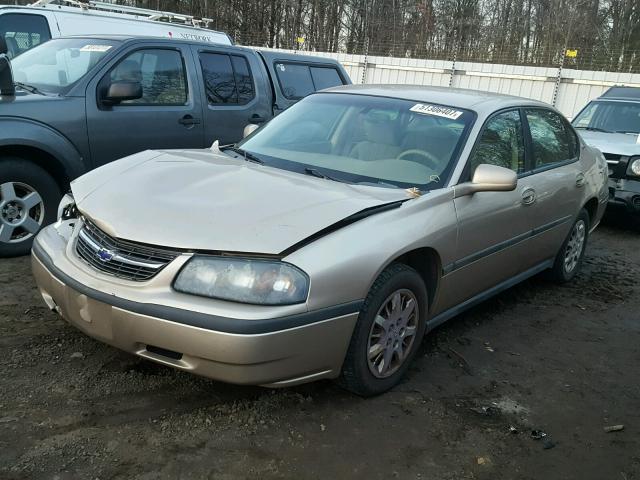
[121, 91]
[7, 88]
[488, 178]
[249, 129]
[4, 49]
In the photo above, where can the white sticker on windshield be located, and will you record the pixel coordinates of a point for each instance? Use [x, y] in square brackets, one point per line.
[95, 48]
[436, 110]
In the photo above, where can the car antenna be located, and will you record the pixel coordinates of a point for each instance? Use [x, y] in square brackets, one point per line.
[215, 147]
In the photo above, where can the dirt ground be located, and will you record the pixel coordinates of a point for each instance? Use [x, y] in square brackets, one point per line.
[564, 360]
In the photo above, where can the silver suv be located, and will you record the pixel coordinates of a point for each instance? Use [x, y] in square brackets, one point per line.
[611, 123]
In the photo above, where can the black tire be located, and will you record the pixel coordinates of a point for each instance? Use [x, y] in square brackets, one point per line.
[20, 171]
[356, 375]
[560, 272]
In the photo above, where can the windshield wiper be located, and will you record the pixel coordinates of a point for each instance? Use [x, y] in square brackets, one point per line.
[248, 156]
[628, 132]
[28, 88]
[316, 173]
[594, 129]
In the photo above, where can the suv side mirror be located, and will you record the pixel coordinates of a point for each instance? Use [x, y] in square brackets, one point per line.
[7, 88]
[488, 178]
[120, 91]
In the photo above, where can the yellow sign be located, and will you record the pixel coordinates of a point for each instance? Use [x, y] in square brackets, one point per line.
[300, 39]
[572, 53]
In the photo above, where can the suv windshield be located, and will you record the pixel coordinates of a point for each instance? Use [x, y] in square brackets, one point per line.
[613, 116]
[364, 139]
[55, 66]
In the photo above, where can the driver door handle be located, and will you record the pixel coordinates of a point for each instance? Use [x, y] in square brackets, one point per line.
[528, 196]
[188, 120]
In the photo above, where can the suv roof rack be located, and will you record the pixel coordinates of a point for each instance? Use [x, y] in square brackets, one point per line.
[146, 13]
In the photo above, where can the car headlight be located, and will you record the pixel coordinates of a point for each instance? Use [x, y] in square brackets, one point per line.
[67, 207]
[243, 280]
[634, 166]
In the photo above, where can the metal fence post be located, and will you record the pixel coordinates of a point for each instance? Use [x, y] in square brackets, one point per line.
[366, 61]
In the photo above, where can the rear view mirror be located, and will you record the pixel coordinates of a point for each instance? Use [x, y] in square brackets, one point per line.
[249, 129]
[122, 91]
[7, 88]
[489, 178]
[4, 49]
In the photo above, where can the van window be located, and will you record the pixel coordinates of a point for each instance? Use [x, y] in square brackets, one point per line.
[23, 31]
[227, 78]
[161, 73]
[298, 80]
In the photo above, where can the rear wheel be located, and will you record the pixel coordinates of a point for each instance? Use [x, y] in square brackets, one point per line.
[569, 259]
[28, 201]
[388, 333]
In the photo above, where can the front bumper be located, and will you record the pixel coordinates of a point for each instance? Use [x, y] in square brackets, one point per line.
[625, 194]
[274, 352]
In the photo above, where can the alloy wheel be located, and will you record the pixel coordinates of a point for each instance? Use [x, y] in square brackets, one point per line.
[21, 212]
[393, 333]
[575, 246]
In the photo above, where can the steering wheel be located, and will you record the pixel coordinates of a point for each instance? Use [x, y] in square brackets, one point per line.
[432, 160]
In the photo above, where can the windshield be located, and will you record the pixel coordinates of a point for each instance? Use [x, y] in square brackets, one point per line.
[364, 139]
[55, 66]
[620, 117]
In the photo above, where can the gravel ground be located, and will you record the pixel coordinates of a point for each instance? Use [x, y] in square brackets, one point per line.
[563, 360]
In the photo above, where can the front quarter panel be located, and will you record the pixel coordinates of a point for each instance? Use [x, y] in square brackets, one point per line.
[343, 265]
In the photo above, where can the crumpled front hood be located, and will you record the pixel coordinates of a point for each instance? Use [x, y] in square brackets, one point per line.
[614, 143]
[196, 199]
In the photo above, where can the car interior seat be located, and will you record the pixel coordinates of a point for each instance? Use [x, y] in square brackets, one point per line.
[12, 47]
[379, 141]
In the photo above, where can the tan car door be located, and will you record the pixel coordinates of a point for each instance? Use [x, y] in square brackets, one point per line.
[552, 187]
[493, 227]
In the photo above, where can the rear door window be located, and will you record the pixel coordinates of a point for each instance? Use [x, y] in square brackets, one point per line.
[297, 80]
[23, 31]
[552, 139]
[227, 78]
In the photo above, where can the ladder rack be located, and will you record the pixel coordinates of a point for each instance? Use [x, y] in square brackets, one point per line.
[145, 13]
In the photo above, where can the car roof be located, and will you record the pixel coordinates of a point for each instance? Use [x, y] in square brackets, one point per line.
[620, 92]
[479, 101]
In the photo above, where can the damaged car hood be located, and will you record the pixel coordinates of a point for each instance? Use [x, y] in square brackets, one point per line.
[200, 200]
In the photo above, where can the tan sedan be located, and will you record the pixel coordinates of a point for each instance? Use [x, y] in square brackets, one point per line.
[326, 243]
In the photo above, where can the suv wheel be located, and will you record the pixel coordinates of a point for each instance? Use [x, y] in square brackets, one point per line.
[388, 333]
[569, 258]
[28, 201]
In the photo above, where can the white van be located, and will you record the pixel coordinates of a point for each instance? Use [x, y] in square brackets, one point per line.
[25, 27]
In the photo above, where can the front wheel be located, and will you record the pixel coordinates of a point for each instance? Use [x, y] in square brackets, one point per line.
[569, 259]
[28, 201]
[388, 333]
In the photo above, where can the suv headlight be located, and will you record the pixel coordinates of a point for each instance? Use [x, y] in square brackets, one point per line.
[243, 280]
[67, 207]
[634, 167]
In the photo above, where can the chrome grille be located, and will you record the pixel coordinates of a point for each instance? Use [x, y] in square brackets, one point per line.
[121, 258]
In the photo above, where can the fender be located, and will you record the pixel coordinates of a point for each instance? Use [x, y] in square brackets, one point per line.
[29, 133]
